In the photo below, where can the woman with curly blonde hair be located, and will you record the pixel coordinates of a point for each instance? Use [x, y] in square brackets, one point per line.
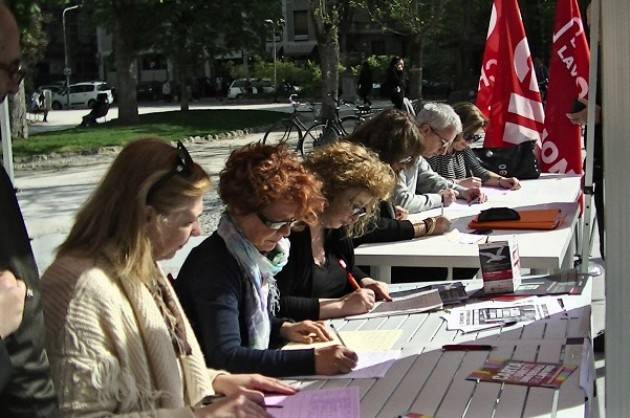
[313, 284]
[227, 284]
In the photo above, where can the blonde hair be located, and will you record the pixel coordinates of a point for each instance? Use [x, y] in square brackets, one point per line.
[344, 165]
[112, 223]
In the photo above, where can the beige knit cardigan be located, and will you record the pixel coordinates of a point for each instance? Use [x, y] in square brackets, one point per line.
[110, 350]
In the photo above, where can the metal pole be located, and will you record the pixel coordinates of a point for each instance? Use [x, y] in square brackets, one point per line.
[65, 52]
[7, 151]
[275, 82]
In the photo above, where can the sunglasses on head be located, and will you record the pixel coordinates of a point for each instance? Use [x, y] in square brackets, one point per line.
[15, 71]
[275, 225]
[471, 138]
[183, 167]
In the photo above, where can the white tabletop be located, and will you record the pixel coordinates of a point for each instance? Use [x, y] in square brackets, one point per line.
[429, 381]
[544, 250]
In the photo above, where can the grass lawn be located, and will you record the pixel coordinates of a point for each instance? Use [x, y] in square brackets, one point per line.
[168, 125]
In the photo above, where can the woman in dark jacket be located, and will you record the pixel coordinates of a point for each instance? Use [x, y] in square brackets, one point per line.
[315, 282]
[396, 83]
[227, 286]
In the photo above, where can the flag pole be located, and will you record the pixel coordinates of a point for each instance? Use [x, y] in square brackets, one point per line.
[587, 240]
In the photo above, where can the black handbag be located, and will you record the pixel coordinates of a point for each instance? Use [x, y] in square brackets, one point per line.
[518, 161]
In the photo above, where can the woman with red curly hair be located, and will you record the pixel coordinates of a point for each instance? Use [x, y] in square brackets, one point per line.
[227, 285]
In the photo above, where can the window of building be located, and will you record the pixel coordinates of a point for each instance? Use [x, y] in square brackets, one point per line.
[300, 24]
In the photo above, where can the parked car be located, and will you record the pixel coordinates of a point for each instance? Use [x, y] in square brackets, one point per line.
[239, 87]
[54, 88]
[82, 95]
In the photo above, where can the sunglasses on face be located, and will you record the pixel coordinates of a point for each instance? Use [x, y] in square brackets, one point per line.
[183, 167]
[359, 211]
[275, 225]
[16, 71]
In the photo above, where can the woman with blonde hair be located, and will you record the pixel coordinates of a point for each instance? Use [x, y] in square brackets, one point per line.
[459, 162]
[227, 284]
[314, 282]
[118, 341]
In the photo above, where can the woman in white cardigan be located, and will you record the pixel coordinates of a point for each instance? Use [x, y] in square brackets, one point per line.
[118, 342]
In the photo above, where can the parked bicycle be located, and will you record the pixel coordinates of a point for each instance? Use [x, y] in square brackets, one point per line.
[289, 130]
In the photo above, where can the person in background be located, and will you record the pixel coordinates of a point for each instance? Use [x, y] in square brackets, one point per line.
[227, 285]
[314, 284]
[459, 163]
[365, 83]
[119, 342]
[26, 389]
[419, 187]
[396, 82]
[395, 137]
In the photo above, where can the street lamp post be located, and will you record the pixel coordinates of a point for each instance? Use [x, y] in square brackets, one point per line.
[275, 24]
[66, 70]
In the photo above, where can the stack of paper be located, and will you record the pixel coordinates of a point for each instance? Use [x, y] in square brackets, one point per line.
[417, 302]
[358, 341]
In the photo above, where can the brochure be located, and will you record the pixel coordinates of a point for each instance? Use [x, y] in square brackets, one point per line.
[527, 373]
[417, 302]
[450, 293]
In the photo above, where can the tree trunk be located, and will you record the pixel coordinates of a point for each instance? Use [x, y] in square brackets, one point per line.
[329, 57]
[126, 69]
[416, 55]
[184, 96]
[17, 109]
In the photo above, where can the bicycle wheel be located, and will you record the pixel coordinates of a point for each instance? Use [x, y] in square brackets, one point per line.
[284, 131]
[318, 135]
[350, 123]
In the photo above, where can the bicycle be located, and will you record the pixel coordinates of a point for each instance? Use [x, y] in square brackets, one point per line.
[288, 130]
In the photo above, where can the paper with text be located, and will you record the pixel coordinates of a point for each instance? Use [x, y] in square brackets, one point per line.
[358, 341]
[322, 403]
[419, 302]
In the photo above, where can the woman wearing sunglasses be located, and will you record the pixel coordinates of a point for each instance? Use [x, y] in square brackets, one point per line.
[227, 284]
[315, 284]
[118, 341]
[459, 163]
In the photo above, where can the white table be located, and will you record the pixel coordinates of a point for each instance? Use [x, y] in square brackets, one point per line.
[539, 250]
[429, 381]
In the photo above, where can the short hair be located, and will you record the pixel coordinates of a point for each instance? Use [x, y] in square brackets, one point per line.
[439, 116]
[472, 118]
[257, 175]
[112, 222]
[392, 134]
[344, 165]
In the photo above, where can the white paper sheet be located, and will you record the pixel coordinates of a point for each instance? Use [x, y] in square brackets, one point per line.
[370, 365]
[322, 403]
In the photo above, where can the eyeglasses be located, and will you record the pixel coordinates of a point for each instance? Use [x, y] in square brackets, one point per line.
[183, 167]
[472, 138]
[15, 71]
[444, 140]
[275, 225]
[359, 212]
[406, 160]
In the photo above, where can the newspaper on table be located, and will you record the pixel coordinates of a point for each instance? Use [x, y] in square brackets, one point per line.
[414, 303]
[491, 314]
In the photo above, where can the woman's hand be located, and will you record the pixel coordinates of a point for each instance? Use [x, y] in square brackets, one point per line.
[238, 406]
[305, 332]
[252, 386]
[358, 302]
[334, 359]
[474, 195]
[12, 294]
[442, 225]
[400, 213]
[448, 196]
[511, 183]
[469, 182]
[380, 289]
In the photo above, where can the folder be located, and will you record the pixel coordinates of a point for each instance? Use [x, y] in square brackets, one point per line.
[542, 219]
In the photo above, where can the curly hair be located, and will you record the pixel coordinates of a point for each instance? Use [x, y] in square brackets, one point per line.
[112, 221]
[472, 118]
[257, 175]
[392, 134]
[345, 165]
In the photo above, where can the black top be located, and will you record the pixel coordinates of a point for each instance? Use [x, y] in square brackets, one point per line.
[27, 390]
[211, 288]
[329, 280]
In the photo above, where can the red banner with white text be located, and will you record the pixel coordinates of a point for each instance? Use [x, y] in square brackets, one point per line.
[568, 81]
[508, 91]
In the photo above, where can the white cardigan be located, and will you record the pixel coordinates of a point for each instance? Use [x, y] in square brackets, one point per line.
[110, 350]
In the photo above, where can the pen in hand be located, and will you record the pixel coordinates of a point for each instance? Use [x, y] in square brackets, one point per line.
[337, 334]
[351, 280]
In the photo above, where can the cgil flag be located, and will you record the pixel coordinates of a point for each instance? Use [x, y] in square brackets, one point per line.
[508, 91]
[568, 80]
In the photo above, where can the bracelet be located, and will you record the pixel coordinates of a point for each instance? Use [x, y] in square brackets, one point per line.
[417, 230]
[432, 227]
[429, 226]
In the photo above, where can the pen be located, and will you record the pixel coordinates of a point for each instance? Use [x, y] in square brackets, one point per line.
[351, 280]
[467, 347]
[208, 400]
[337, 334]
[441, 209]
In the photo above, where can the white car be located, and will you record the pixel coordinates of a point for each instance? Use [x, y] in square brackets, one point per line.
[238, 87]
[82, 95]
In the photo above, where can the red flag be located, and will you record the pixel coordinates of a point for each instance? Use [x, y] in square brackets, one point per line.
[568, 80]
[508, 90]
